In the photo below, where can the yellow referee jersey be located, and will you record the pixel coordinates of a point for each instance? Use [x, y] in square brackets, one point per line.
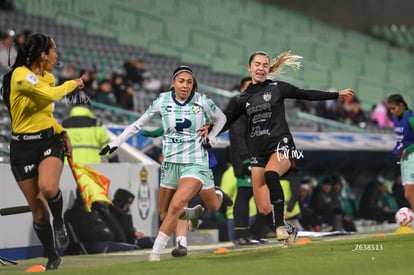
[31, 100]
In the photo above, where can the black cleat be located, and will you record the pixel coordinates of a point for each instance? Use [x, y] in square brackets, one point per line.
[53, 264]
[61, 236]
[245, 241]
[179, 251]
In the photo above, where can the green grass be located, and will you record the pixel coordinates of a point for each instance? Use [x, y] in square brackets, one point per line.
[391, 254]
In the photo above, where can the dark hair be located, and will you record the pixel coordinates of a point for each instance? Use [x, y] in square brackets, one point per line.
[184, 68]
[258, 53]
[180, 69]
[244, 80]
[397, 99]
[26, 55]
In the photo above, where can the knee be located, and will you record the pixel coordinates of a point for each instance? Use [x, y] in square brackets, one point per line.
[49, 192]
[176, 207]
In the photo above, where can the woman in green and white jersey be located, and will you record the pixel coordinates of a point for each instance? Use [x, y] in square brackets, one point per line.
[185, 170]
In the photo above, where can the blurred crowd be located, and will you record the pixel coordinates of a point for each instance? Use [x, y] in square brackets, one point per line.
[349, 112]
[120, 88]
[329, 204]
[130, 85]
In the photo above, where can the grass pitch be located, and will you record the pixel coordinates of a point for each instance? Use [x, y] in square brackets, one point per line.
[354, 254]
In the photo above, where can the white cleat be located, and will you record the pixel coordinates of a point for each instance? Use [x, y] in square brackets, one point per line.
[281, 233]
[153, 257]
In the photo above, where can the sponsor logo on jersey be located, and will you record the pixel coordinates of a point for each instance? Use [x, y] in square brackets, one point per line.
[181, 124]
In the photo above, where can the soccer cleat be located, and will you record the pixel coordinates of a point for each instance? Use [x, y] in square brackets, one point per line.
[227, 201]
[153, 257]
[53, 263]
[245, 241]
[61, 236]
[179, 251]
[281, 233]
[193, 222]
[291, 239]
[263, 240]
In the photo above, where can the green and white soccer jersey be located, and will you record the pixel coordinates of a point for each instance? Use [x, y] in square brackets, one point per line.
[181, 120]
[181, 141]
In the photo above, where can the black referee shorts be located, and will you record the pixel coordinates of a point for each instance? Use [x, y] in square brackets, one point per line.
[28, 150]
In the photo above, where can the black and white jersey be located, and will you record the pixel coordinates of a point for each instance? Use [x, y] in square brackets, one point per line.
[263, 105]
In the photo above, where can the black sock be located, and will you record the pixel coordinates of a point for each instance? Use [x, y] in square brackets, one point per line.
[56, 206]
[45, 235]
[269, 220]
[277, 197]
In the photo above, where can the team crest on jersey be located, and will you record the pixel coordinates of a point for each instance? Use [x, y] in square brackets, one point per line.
[196, 108]
[267, 96]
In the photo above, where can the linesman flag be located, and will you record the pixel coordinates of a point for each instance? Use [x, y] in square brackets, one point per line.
[93, 186]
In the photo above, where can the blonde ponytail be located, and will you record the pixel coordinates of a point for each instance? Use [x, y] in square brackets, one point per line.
[284, 59]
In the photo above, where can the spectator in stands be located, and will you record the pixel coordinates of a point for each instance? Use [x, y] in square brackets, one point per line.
[8, 51]
[22, 37]
[121, 211]
[326, 205]
[68, 73]
[380, 115]
[37, 160]
[376, 203]
[307, 219]
[403, 119]
[123, 91]
[150, 83]
[135, 69]
[387, 201]
[354, 114]
[126, 99]
[331, 109]
[185, 169]
[118, 85]
[91, 234]
[271, 144]
[105, 94]
[341, 190]
[87, 133]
